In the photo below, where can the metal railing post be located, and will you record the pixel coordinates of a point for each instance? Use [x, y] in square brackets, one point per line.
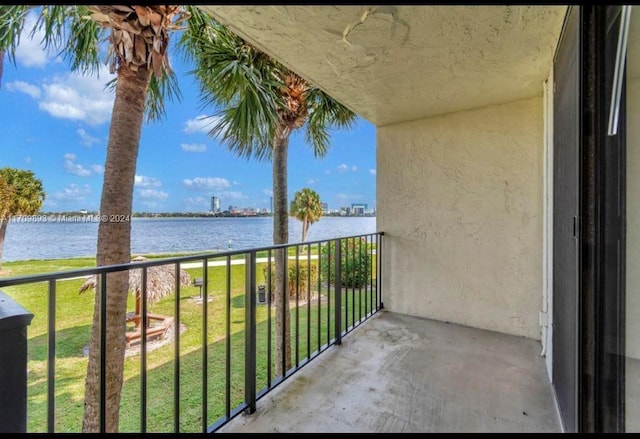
[14, 320]
[338, 288]
[379, 274]
[250, 332]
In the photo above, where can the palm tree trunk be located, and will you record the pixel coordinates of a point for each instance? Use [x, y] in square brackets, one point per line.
[3, 232]
[114, 246]
[281, 236]
[304, 229]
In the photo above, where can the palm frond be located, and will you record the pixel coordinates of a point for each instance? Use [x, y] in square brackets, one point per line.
[236, 77]
[82, 48]
[161, 89]
[63, 27]
[325, 113]
[51, 22]
[12, 20]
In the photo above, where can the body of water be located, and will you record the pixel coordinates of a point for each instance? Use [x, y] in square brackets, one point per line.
[56, 240]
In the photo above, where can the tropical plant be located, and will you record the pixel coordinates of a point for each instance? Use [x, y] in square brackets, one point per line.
[21, 193]
[299, 279]
[260, 104]
[138, 40]
[355, 262]
[307, 208]
[6, 193]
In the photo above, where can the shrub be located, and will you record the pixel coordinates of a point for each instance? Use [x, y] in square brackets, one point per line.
[292, 278]
[355, 262]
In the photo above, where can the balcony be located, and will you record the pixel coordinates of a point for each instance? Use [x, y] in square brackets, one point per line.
[404, 374]
[379, 371]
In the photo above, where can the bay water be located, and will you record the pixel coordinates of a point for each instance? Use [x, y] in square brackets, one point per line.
[66, 239]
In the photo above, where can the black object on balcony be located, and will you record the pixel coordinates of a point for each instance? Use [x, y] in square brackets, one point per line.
[14, 320]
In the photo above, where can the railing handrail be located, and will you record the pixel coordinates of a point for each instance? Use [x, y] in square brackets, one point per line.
[58, 275]
[341, 311]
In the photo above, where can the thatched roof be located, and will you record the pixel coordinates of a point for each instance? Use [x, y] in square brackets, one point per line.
[160, 280]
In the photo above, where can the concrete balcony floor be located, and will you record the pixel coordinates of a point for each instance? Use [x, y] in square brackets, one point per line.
[397, 373]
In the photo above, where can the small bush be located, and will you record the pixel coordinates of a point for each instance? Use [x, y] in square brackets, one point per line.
[355, 262]
[292, 278]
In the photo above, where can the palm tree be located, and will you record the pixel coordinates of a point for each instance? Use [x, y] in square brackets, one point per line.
[21, 193]
[6, 194]
[261, 103]
[307, 208]
[138, 40]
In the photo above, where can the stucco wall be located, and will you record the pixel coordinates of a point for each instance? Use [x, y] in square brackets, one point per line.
[632, 319]
[460, 201]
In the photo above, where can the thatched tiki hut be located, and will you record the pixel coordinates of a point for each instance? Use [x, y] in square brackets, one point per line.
[160, 283]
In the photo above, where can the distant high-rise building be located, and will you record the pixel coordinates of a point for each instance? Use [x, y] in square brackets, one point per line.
[215, 204]
[359, 208]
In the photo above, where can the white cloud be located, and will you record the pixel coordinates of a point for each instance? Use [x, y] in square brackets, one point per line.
[27, 160]
[206, 183]
[81, 170]
[87, 140]
[146, 182]
[30, 52]
[327, 171]
[21, 86]
[73, 192]
[202, 124]
[77, 97]
[236, 183]
[344, 168]
[372, 171]
[153, 194]
[193, 147]
[268, 192]
[311, 181]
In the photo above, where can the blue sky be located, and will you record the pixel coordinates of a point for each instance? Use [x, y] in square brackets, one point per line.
[56, 124]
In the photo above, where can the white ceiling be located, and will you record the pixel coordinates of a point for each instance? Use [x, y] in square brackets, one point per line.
[398, 63]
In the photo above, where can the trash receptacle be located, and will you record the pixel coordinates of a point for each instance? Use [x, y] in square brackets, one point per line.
[262, 294]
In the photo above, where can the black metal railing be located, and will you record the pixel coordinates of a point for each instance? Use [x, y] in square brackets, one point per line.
[202, 382]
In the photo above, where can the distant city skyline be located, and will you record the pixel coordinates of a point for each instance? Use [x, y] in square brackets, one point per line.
[59, 124]
[217, 202]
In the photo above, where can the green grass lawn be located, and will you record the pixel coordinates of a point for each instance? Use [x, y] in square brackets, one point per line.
[73, 327]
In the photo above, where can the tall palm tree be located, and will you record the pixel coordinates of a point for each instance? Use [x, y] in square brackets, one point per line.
[260, 103]
[138, 40]
[21, 193]
[307, 208]
[6, 194]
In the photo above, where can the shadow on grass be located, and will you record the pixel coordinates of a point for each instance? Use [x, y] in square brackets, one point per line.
[70, 343]
[238, 301]
[161, 386]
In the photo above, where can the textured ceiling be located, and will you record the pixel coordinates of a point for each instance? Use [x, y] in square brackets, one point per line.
[398, 63]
